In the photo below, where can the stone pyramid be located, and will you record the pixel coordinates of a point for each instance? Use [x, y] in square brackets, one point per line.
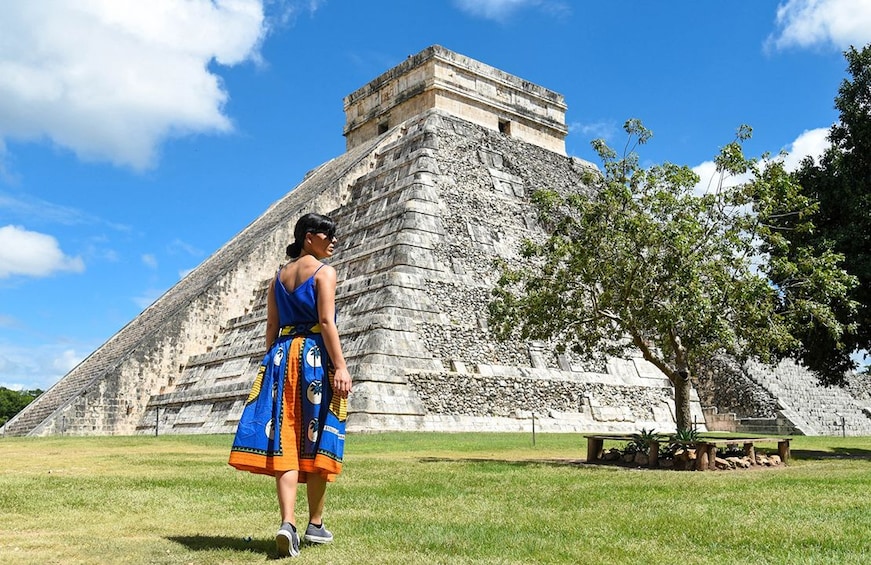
[442, 153]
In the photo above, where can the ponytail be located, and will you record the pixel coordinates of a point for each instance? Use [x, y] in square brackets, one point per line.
[294, 249]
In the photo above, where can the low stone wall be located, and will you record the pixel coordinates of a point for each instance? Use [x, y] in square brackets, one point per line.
[479, 395]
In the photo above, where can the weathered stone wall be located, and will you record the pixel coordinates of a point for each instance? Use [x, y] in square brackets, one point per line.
[814, 409]
[723, 383]
[518, 397]
[466, 338]
[499, 398]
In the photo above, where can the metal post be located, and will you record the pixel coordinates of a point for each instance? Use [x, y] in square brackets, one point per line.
[533, 428]
[156, 420]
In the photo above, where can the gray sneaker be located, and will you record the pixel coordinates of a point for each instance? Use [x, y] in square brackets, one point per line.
[287, 541]
[317, 534]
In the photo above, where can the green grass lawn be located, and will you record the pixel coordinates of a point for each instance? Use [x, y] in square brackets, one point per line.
[430, 498]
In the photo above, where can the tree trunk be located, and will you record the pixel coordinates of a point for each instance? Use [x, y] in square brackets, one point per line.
[682, 388]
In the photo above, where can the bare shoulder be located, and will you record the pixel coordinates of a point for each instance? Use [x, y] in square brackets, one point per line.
[326, 273]
[325, 278]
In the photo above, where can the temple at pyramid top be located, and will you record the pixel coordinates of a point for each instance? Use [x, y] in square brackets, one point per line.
[437, 78]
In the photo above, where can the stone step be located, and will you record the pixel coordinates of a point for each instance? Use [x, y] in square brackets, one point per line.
[820, 406]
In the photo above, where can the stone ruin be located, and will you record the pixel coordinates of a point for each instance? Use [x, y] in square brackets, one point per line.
[442, 153]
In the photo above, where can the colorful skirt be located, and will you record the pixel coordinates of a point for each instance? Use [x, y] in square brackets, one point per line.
[291, 420]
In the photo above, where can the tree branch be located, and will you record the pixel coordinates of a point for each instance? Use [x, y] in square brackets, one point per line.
[648, 355]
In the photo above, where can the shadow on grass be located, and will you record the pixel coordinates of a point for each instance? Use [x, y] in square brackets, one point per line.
[265, 547]
[835, 453]
[212, 543]
[517, 462]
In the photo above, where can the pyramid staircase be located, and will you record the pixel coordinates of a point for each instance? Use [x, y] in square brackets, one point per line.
[814, 409]
[210, 394]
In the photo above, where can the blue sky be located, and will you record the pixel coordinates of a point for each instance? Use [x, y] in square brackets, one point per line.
[136, 138]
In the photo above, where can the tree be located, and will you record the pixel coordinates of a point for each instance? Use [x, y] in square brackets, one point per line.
[841, 185]
[639, 261]
[13, 401]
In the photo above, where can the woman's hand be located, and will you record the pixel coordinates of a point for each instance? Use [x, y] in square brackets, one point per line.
[341, 383]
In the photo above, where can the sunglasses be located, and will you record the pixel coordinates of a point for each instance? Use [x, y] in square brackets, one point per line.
[331, 235]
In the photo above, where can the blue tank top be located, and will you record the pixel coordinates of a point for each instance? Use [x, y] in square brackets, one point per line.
[299, 307]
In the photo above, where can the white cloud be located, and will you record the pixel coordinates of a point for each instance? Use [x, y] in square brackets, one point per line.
[32, 208]
[710, 179]
[149, 260]
[284, 12]
[27, 368]
[178, 246]
[597, 130]
[501, 10]
[811, 143]
[65, 362]
[805, 23]
[111, 79]
[33, 254]
[5, 176]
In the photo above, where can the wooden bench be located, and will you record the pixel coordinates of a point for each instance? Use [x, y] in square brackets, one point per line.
[706, 448]
[595, 443]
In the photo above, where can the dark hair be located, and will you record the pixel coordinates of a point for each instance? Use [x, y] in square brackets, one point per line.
[310, 223]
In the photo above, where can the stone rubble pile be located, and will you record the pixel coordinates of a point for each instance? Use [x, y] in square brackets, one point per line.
[684, 459]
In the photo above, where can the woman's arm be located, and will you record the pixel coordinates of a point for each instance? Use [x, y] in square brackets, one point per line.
[325, 279]
[271, 317]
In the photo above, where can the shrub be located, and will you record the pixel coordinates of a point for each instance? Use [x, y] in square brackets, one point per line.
[641, 441]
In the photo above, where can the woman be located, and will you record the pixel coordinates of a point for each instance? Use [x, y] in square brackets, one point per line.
[293, 423]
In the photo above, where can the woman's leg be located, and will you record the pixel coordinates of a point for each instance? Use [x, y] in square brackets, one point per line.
[285, 484]
[316, 492]
[287, 539]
